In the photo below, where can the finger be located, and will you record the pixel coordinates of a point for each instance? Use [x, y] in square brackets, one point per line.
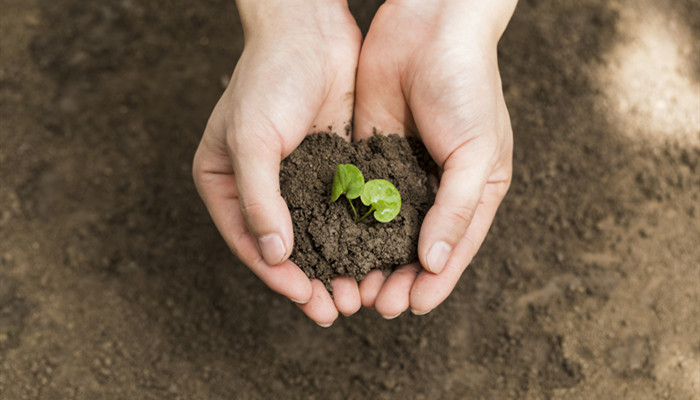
[256, 162]
[320, 307]
[370, 286]
[461, 187]
[429, 290]
[346, 295]
[218, 190]
[393, 298]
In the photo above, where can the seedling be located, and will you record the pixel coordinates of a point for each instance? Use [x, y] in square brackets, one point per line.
[383, 198]
[378, 194]
[348, 180]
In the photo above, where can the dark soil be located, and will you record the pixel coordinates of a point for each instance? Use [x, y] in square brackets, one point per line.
[327, 240]
[115, 284]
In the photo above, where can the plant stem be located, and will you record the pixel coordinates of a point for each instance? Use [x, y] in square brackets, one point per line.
[353, 209]
[363, 217]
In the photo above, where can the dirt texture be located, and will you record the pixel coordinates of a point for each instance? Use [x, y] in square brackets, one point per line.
[115, 284]
[327, 240]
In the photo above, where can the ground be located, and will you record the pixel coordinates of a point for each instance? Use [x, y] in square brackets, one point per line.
[114, 284]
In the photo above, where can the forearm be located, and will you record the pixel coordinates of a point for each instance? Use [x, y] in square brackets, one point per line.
[276, 16]
[489, 18]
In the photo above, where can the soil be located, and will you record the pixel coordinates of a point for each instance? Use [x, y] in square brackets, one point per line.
[327, 240]
[115, 284]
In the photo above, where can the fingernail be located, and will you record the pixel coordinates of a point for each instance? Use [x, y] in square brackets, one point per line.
[437, 256]
[419, 312]
[391, 317]
[272, 248]
[324, 325]
[298, 301]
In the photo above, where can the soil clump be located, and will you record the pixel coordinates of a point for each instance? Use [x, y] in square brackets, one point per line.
[327, 240]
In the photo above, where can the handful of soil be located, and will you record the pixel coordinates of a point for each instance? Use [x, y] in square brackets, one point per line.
[327, 240]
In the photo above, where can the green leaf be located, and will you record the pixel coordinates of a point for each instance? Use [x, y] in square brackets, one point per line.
[348, 180]
[383, 196]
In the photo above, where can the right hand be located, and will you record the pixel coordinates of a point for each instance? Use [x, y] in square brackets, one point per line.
[297, 72]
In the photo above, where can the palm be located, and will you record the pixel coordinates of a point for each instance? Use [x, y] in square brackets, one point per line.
[438, 85]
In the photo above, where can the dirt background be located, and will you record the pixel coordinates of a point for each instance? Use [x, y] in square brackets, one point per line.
[114, 284]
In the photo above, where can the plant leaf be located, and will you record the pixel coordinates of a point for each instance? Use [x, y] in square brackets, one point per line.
[347, 180]
[384, 197]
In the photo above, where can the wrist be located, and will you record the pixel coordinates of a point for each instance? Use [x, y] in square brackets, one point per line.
[260, 18]
[490, 16]
[486, 20]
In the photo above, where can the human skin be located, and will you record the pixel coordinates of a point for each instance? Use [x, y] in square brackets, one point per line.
[297, 71]
[427, 67]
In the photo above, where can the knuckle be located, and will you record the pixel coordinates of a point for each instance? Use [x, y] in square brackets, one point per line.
[195, 173]
[199, 177]
[255, 137]
[197, 167]
[253, 208]
[460, 214]
[504, 187]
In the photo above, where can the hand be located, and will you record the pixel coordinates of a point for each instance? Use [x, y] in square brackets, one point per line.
[430, 68]
[297, 71]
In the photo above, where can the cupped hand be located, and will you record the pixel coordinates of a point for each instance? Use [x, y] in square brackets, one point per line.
[430, 69]
[297, 72]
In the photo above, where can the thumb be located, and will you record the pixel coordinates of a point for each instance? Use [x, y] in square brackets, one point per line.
[256, 165]
[465, 173]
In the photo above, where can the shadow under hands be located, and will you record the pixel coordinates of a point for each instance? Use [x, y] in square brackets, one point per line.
[363, 11]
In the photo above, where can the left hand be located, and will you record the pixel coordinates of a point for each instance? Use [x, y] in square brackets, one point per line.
[430, 69]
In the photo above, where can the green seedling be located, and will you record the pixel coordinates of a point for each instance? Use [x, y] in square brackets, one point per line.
[383, 198]
[348, 180]
[380, 195]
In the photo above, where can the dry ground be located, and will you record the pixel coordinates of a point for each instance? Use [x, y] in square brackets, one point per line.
[114, 284]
